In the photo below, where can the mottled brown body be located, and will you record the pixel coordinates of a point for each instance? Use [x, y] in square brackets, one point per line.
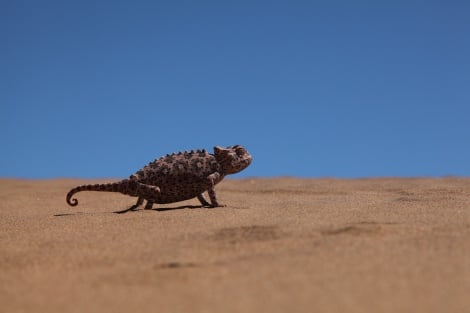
[177, 177]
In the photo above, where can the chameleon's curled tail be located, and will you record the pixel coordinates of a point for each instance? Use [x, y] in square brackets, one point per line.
[129, 187]
[120, 186]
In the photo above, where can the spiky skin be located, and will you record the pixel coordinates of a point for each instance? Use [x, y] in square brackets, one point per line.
[177, 177]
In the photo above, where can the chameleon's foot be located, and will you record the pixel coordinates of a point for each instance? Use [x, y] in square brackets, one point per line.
[137, 204]
[149, 205]
[217, 205]
[132, 208]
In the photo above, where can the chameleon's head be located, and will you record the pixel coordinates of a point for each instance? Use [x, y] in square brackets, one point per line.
[232, 159]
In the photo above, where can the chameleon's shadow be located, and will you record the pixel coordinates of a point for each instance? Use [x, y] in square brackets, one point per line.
[67, 214]
[131, 209]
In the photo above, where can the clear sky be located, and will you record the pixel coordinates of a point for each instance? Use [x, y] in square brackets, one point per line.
[311, 88]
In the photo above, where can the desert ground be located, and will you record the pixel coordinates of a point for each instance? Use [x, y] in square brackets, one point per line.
[280, 245]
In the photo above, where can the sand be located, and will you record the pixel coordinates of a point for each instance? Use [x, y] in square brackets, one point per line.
[280, 245]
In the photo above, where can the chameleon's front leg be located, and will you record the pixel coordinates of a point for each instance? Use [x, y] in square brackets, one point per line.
[213, 180]
[149, 205]
[203, 201]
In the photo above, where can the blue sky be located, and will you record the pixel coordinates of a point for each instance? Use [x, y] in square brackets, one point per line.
[311, 88]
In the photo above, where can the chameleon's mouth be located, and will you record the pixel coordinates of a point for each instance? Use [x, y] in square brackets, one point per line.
[242, 163]
[248, 160]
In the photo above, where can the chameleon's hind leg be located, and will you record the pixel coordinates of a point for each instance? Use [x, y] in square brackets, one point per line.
[147, 192]
[132, 208]
[137, 204]
[142, 191]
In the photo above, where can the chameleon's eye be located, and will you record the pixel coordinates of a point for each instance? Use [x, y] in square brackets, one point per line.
[240, 151]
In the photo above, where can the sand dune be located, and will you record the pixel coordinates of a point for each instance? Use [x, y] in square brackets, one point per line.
[280, 245]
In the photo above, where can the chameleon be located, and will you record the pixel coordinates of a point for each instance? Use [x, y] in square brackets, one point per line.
[177, 177]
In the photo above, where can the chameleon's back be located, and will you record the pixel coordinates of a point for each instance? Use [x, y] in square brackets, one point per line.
[180, 176]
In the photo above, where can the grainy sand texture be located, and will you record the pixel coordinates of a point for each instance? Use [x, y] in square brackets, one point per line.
[280, 245]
